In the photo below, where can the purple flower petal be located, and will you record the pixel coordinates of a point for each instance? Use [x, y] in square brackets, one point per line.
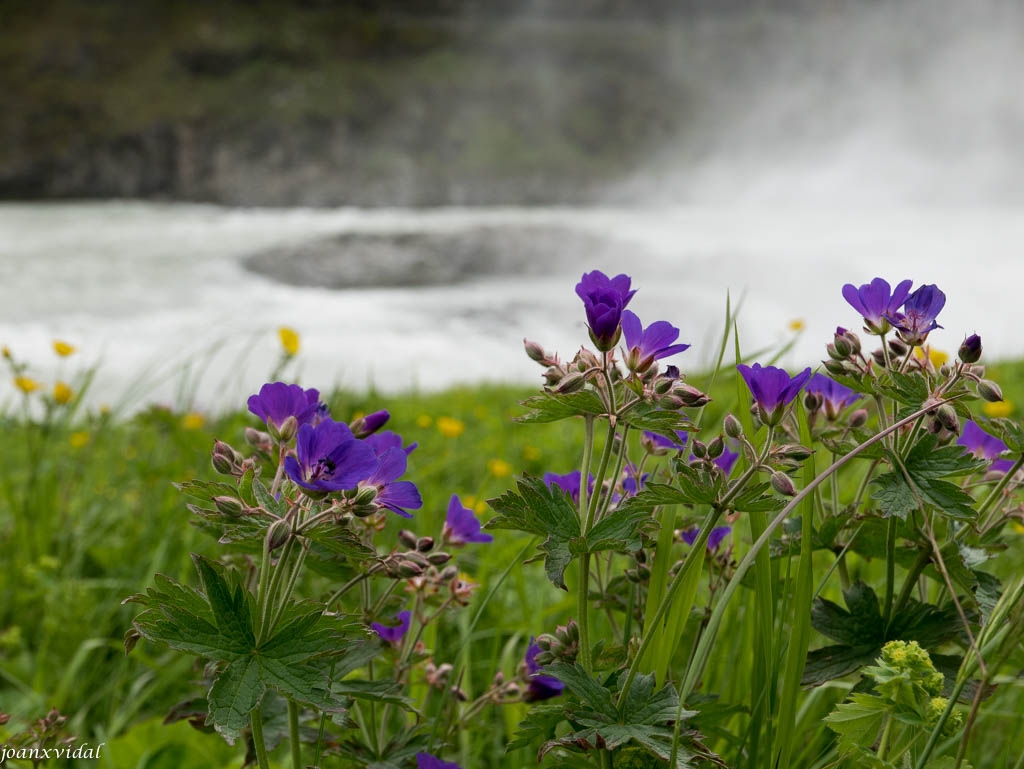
[427, 761]
[329, 458]
[276, 401]
[461, 525]
[393, 634]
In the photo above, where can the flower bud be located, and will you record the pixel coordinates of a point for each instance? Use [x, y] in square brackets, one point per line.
[663, 385]
[879, 357]
[413, 557]
[732, 427]
[369, 424]
[571, 383]
[280, 531]
[364, 495]
[438, 558]
[945, 415]
[794, 451]
[408, 538]
[813, 401]
[449, 573]
[699, 449]
[257, 438]
[858, 418]
[534, 351]
[851, 339]
[970, 350]
[716, 447]
[670, 402]
[553, 376]
[287, 430]
[690, 396]
[222, 464]
[834, 353]
[990, 391]
[229, 506]
[782, 484]
[834, 367]
[406, 569]
[898, 347]
[425, 544]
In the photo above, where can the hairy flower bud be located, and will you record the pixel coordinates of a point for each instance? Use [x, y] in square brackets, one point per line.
[571, 383]
[834, 367]
[878, 356]
[408, 538]
[795, 451]
[716, 447]
[813, 401]
[553, 376]
[534, 351]
[229, 506]
[700, 450]
[782, 484]
[834, 353]
[859, 418]
[439, 558]
[425, 544]
[990, 391]
[946, 416]
[257, 438]
[691, 397]
[898, 347]
[222, 464]
[280, 531]
[970, 350]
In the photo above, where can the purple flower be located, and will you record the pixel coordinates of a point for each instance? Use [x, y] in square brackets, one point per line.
[461, 526]
[393, 494]
[329, 458]
[427, 761]
[569, 483]
[715, 537]
[984, 446]
[367, 425]
[773, 389]
[970, 350]
[393, 634]
[604, 299]
[387, 439]
[276, 402]
[656, 442]
[835, 396]
[540, 687]
[919, 313]
[644, 346]
[874, 302]
[726, 460]
[633, 482]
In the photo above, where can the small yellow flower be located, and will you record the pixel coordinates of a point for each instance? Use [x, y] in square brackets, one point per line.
[1018, 527]
[996, 410]
[480, 507]
[6, 352]
[63, 349]
[193, 421]
[289, 340]
[450, 427]
[797, 324]
[531, 453]
[499, 468]
[26, 384]
[79, 440]
[424, 420]
[62, 393]
[468, 500]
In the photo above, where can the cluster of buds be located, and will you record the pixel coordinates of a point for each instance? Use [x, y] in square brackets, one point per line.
[439, 677]
[418, 561]
[503, 690]
[562, 645]
[432, 583]
[46, 732]
[845, 357]
[670, 392]
[641, 572]
[943, 421]
[228, 461]
[789, 456]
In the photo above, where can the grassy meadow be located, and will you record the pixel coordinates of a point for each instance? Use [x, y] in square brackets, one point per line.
[89, 513]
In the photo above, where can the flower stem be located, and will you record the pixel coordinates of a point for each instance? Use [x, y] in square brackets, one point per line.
[293, 734]
[256, 725]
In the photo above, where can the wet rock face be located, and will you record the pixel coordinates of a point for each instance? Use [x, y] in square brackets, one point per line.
[367, 260]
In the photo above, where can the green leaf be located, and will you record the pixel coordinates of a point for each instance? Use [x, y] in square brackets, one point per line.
[551, 407]
[910, 390]
[619, 530]
[831, 662]
[237, 689]
[859, 720]
[861, 625]
[644, 416]
[537, 509]
[903, 490]
[266, 499]
[757, 499]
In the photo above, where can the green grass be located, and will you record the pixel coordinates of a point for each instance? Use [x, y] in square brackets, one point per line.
[88, 514]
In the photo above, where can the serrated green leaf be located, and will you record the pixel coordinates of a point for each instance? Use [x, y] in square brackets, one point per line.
[619, 530]
[540, 724]
[551, 407]
[860, 625]
[537, 509]
[650, 418]
[859, 720]
[757, 499]
[267, 501]
[908, 389]
[583, 685]
[237, 690]
[228, 603]
[831, 662]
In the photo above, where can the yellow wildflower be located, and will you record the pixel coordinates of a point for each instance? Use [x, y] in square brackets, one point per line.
[289, 340]
[499, 468]
[193, 421]
[424, 420]
[62, 393]
[937, 357]
[797, 324]
[996, 410]
[79, 440]
[480, 507]
[6, 352]
[63, 349]
[1017, 526]
[531, 453]
[26, 384]
[450, 427]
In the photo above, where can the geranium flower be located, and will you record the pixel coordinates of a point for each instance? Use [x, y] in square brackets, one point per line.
[393, 634]
[773, 389]
[276, 402]
[604, 299]
[461, 525]
[539, 686]
[329, 458]
[875, 303]
[427, 761]
[835, 396]
[367, 425]
[715, 537]
[393, 494]
[644, 346]
[983, 445]
[656, 442]
[919, 312]
[569, 483]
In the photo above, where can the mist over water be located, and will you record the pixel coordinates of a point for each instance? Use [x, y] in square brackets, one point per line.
[821, 147]
[915, 103]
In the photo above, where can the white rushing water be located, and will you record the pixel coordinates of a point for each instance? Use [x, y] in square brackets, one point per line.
[156, 295]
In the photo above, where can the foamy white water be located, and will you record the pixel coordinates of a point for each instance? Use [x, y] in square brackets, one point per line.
[156, 293]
